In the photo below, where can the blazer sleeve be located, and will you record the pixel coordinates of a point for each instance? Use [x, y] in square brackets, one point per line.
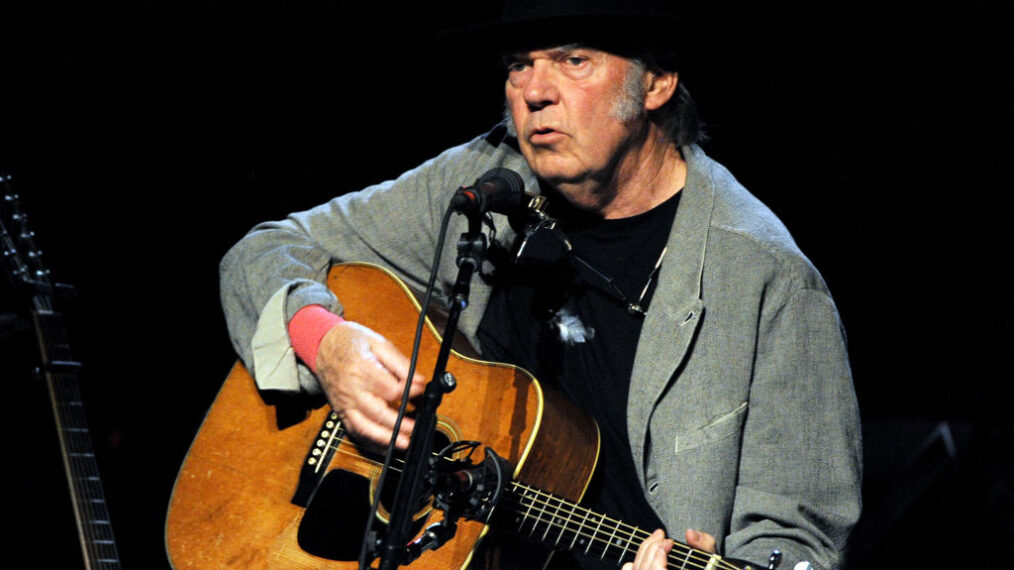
[281, 266]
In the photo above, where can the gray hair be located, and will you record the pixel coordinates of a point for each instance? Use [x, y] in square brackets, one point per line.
[678, 118]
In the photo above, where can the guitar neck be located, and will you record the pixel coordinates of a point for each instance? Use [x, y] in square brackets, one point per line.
[81, 467]
[23, 264]
[565, 525]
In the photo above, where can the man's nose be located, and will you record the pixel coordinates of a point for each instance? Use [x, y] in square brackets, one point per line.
[541, 89]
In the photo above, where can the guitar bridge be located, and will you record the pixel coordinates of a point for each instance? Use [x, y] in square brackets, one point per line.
[317, 459]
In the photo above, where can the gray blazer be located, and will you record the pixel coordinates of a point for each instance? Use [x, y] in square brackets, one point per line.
[742, 415]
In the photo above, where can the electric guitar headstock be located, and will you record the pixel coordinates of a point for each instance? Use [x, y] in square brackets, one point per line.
[22, 259]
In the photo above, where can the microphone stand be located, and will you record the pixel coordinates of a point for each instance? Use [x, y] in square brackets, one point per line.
[416, 475]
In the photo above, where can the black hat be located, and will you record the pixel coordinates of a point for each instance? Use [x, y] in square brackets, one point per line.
[625, 27]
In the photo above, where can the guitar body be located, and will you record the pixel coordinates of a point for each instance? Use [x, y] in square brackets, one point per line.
[232, 505]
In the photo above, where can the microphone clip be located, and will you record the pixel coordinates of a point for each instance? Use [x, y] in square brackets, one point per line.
[464, 489]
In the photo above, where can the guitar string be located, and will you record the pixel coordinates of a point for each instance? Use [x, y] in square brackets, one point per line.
[549, 498]
[336, 446]
[600, 547]
[692, 558]
[697, 556]
[593, 544]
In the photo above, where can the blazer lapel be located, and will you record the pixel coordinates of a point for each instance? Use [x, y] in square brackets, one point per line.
[676, 307]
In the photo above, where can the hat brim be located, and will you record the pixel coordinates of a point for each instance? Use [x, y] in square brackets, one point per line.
[624, 34]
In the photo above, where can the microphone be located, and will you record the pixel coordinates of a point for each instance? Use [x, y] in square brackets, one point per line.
[499, 190]
[474, 491]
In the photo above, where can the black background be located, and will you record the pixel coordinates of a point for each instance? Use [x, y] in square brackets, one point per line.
[146, 137]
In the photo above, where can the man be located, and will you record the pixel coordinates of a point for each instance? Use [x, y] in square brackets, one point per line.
[685, 321]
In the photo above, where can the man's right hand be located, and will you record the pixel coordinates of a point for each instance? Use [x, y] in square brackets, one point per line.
[363, 375]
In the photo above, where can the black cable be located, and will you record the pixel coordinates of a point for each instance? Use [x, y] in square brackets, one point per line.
[421, 323]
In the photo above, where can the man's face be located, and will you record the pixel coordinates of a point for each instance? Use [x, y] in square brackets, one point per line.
[575, 110]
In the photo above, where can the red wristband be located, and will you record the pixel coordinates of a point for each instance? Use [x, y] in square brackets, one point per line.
[307, 328]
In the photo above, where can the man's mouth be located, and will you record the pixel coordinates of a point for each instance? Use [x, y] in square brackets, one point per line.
[544, 135]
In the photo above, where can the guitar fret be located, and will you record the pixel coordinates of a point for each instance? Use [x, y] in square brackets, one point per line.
[88, 482]
[538, 517]
[527, 513]
[608, 543]
[552, 517]
[580, 527]
[593, 535]
[626, 543]
[687, 559]
[565, 525]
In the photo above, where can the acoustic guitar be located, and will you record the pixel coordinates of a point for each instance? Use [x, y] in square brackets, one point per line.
[274, 486]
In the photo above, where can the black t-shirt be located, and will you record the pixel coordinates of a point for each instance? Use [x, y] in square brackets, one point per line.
[567, 325]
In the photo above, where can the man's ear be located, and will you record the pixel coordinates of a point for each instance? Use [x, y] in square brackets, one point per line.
[659, 89]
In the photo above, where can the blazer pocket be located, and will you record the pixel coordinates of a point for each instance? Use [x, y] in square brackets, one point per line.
[722, 427]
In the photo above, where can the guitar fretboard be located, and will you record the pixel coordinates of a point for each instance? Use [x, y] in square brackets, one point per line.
[565, 525]
[96, 531]
[90, 508]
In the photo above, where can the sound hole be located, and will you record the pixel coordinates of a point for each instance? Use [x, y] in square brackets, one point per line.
[387, 494]
[334, 523]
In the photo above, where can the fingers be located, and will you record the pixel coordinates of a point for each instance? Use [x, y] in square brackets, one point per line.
[362, 375]
[373, 419]
[652, 553]
[397, 363]
[701, 540]
[376, 435]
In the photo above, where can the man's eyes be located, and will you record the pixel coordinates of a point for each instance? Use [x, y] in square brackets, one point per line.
[567, 62]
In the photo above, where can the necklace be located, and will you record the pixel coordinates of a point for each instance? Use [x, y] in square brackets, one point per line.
[633, 307]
